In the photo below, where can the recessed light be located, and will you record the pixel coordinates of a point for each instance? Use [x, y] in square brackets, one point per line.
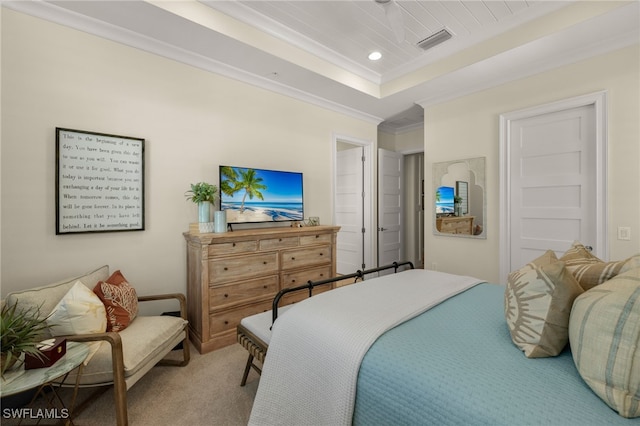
[374, 56]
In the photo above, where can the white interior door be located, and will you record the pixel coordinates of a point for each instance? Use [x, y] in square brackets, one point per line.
[349, 210]
[390, 244]
[554, 182]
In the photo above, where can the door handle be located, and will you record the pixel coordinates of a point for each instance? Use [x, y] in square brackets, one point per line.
[382, 229]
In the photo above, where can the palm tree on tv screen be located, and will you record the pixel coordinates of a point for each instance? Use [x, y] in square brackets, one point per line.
[229, 184]
[239, 179]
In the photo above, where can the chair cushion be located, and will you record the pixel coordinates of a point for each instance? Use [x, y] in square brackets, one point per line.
[260, 324]
[120, 300]
[537, 300]
[142, 341]
[604, 331]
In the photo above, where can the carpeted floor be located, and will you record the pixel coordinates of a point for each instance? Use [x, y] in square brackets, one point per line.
[205, 392]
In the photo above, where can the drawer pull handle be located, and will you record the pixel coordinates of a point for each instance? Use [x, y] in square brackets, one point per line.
[264, 286]
[226, 269]
[317, 236]
[265, 262]
[233, 244]
[226, 323]
[293, 258]
[226, 295]
[279, 239]
[321, 254]
[293, 281]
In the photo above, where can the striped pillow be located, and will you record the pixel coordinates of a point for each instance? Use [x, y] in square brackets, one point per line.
[537, 300]
[604, 331]
[591, 271]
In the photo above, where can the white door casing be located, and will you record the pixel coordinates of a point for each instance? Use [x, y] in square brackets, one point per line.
[390, 240]
[552, 180]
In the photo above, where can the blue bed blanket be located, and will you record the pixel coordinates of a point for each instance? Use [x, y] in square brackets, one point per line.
[456, 364]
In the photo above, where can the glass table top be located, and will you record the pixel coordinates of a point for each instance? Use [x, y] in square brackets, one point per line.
[18, 379]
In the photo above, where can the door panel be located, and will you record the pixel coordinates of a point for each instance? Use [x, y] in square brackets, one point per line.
[349, 211]
[552, 183]
[389, 207]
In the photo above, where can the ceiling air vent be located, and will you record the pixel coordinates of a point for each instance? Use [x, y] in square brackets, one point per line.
[435, 39]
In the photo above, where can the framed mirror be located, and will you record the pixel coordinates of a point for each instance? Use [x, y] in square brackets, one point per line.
[459, 198]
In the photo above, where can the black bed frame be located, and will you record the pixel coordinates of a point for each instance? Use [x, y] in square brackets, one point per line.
[258, 349]
[358, 275]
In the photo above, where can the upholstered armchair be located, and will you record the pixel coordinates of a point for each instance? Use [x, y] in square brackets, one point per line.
[117, 358]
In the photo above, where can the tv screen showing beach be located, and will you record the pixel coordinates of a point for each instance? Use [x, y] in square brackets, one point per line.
[444, 200]
[257, 195]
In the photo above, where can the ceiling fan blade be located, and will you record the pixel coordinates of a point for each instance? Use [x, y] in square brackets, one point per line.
[394, 16]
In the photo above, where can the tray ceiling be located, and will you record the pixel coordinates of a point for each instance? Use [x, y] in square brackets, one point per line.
[317, 50]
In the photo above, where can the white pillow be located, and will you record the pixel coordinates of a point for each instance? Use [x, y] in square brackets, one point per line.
[79, 312]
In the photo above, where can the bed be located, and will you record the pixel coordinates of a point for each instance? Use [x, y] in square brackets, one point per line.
[418, 347]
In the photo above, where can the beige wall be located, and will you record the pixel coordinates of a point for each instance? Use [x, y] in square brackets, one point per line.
[469, 127]
[192, 120]
[409, 141]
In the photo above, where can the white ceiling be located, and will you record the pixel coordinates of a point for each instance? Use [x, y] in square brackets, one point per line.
[317, 50]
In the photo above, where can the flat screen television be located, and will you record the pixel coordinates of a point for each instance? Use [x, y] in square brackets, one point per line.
[250, 195]
[444, 200]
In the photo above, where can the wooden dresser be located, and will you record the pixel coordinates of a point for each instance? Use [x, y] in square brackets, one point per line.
[455, 225]
[236, 274]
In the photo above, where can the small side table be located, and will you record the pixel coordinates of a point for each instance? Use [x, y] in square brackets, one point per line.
[46, 377]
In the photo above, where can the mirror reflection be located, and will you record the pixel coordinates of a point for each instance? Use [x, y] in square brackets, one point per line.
[460, 198]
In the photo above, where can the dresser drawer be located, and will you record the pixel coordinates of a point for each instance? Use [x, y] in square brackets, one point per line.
[229, 319]
[233, 248]
[306, 257]
[297, 278]
[278, 243]
[455, 225]
[234, 268]
[315, 239]
[449, 227]
[242, 290]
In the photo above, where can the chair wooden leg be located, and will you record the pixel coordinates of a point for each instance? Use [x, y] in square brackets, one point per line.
[246, 370]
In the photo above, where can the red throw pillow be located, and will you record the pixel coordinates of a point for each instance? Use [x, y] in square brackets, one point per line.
[120, 301]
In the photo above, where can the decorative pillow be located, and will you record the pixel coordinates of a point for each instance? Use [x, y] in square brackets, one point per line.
[79, 311]
[537, 302]
[631, 263]
[120, 301]
[604, 331]
[591, 271]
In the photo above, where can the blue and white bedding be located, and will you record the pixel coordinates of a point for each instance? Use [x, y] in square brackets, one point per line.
[310, 372]
[418, 347]
[456, 364]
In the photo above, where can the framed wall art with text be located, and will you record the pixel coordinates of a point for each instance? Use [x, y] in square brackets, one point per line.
[99, 182]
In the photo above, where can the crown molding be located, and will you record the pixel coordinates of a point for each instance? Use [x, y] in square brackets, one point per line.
[58, 15]
[395, 130]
